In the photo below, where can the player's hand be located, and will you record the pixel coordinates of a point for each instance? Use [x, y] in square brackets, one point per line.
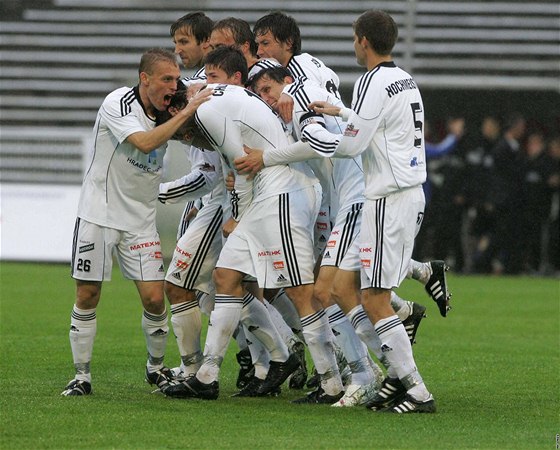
[228, 227]
[285, 106]
[198, 99]
[230, 181]
[322, 107]
[250, 164]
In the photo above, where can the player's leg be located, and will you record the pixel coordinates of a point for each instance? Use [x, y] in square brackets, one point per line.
[386, 242]
[432, 275]
[91, 265]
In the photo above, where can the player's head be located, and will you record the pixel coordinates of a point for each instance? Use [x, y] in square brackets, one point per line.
[226, 65]
[233, 32]
[191, 35]
[277, 36]
[268, 84]
[380, 31]
[158, 76]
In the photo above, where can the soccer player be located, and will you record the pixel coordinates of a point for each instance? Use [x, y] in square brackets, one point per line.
[272, 242]
[384, 126]
[117, 213]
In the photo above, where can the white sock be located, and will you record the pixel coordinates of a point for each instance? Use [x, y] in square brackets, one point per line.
[352, 347]
[155, 331]
[205, 302]
[187, 325]
[224, 319]
[320, 342]
[83, 328]
[285, 331]
[259, 354]
[288, 311]
[366, 332]
[419, 271]
[403, 308]
[398, 350]
[256, 319]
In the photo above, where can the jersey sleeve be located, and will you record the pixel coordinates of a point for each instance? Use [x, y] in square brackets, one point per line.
[121, 121]
[198, 182]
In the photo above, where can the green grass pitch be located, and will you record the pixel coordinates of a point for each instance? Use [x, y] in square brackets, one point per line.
[492, 365]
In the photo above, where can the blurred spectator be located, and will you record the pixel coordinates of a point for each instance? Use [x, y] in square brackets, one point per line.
[507, 195]
[552, 230]
[536, 192]
[479, 166]
[440, 233]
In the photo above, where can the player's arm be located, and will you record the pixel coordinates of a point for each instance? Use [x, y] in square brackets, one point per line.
[147, 141]
[198, 182]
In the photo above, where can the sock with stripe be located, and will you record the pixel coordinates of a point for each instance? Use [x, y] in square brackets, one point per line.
[289, 313]
[187, 325]
[224, 320]
[155, 331]
[320, 342]
[352, 347]
[286, 333]
[419, 271]
[366, 332]
[83, 328]
[397, 348]
[259, 354]
[402, 307]
[256, 318]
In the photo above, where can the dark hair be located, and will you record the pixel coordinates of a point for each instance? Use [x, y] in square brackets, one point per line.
[200, 25]
[274, 73]
[240, 30]
[229, 59]
[284, 28]
[178, 100]
[379, 29]
[154, 55]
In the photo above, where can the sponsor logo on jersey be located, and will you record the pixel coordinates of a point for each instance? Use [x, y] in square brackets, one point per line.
[414, 162]
[322, 225]
[331, 244]
[145, 245]
[176, 275]
[335, 232]
[317, 63]
[143, 167]
[183, 252]
[351, 131]
[278, 265]
[86, 248]
[182, 265]
[366, 263]
[365, 249]
[264, 253]
[156, 255]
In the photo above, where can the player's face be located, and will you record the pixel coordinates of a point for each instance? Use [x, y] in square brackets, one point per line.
[216, 75]
[269, 90]
[269, 47]
[221, 37]
[161, 84]
[190, 52]
[359, 51]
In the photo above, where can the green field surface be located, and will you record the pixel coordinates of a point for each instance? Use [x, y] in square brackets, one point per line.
[493, 366]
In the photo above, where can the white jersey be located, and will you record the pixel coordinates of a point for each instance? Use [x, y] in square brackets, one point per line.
[305, 65]
[385, 126]
[198, 77]
[235, 116]
[346, 178]
[121, 184]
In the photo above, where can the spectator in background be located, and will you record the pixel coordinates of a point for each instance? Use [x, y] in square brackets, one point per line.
[537, 199]
[479, 166]
[507, 195]
[552, 229]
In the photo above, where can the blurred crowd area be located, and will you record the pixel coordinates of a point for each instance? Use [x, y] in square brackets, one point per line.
[492, 197]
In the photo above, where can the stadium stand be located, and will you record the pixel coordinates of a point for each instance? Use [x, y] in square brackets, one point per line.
[59, 62]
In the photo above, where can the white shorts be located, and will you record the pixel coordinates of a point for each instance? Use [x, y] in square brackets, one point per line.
[321, 230]
[139, 254]
[389, 226]
[197, 250]
[273, 241]
[345, 230]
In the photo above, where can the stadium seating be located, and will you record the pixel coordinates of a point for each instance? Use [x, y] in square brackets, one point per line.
[59, 62]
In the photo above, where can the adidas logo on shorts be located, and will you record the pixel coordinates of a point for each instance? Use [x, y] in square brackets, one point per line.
[176, 275]
[281, 278]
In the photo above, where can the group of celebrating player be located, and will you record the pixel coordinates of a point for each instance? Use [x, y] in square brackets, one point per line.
[299, 222]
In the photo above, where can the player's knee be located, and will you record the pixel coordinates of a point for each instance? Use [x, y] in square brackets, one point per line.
[227, 280]
[87, 294]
